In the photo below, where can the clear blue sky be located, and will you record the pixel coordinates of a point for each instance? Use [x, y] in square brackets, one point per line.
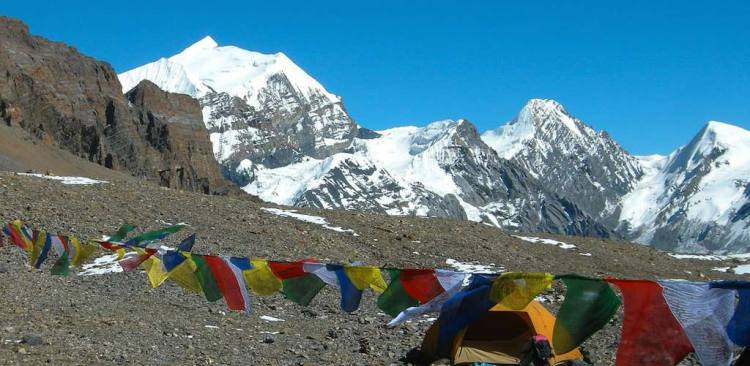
[650, 73]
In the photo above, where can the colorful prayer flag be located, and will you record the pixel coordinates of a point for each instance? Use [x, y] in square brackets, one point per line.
[451, 283]
[395, 299]
[589, 304]
[704, 313]
[462, 309]
[650, 333]
[364, 277]
[261, 279]
[121, 233]
[738, 329]
[515, 290]
[82, 251]
[158, 234]
[186, 245]
[230, 281]
[206, 278]
[296, 284]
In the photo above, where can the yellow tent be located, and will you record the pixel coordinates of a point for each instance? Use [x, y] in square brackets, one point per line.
[499, 336]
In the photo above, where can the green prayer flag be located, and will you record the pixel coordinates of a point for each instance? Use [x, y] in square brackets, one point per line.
[206, 279]
[61, 266]
[121, 233]
[303, 289]
[589, 304]
[395, 299]
[155, 235]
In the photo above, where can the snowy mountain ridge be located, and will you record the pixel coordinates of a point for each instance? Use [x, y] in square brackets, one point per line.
[703, 186]
[205, 67]
[280, 135]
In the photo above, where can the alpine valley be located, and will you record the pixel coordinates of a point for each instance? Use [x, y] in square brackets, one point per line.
[280, 135]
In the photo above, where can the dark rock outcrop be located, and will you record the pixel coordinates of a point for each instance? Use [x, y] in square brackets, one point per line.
[75, 102]
[172, 126]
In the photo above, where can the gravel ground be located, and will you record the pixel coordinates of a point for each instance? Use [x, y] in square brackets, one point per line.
[118, 319]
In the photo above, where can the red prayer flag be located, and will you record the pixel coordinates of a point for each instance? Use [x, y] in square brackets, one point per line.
[287, 270]
[650, 333]
[421, 284]
[230, 284]
[132, 263]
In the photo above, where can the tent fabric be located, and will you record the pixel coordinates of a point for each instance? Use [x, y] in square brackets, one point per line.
[589, 304]
[738, 329]
[498, 337]
[650, 333]
[704, 314]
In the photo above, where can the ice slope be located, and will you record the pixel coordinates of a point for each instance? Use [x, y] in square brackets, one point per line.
[704, 186]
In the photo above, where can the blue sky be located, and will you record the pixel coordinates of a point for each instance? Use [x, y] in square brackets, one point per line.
[650, 73]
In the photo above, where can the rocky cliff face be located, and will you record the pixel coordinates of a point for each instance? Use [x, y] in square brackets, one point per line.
[172, 126]
[76, 103]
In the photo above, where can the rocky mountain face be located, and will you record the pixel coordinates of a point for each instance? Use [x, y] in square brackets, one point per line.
[281, 136]
[568, 157]
[76, 103]
[258, 108]
[178, 138]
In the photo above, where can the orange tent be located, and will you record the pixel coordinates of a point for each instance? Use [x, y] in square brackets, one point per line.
[499, 337]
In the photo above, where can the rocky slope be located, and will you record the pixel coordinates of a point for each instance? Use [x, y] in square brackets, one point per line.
[116, 318]
[74, 102]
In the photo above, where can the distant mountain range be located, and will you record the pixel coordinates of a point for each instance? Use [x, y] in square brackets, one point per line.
[279, 134]
[282, 136]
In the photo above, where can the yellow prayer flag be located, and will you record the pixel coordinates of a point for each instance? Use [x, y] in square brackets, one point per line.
[366, 277]
[156, 275]
[515, 290]
[260, 279]
[39, 238]
[184, 275]
[83, 252]
[18, 227]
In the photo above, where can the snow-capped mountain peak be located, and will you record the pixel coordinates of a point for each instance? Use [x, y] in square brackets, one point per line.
[698, 194]
[713, 140]
[205, 43]
[206, 67]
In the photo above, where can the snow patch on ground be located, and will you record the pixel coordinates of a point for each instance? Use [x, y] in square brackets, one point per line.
[473, 267]
[535, 240]
[103, 265]
[308, 218]
[271, 319]
[711, 257]
[66, 180]
[742, 269]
